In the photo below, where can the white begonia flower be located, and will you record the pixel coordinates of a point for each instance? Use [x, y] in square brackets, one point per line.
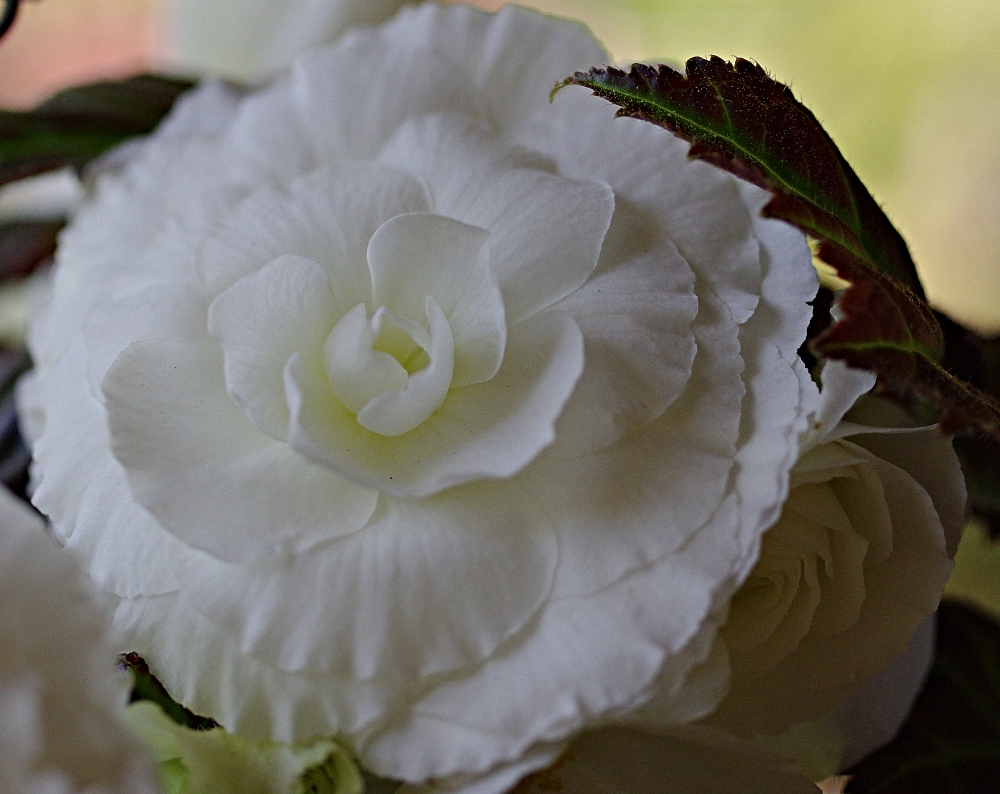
[61, 699]
[398, 403]
[255, 39]
[847, 577]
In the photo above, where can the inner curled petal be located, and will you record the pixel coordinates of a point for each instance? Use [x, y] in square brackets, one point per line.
[357, 371]
[388, 369]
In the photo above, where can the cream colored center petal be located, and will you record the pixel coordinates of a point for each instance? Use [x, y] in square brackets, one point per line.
[389, 370]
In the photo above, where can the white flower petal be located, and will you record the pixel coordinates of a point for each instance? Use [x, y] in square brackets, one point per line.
[322, 89]
[459, 442]
[161, 310]
[694, 205]
[61, 699]
[872, 717]
[375, 605]
[432, 146]
[328, 216]
[205, 669]
[604, 498]
[176, 431]
[545, 230]
[415, 256]
[903, 582]
[356, 370]
[928, 457]
[110, 532]
[284, 308]
[842, 386]
[518, 56]
[394, 413]
[636, 322]
[545, 235]
[265, 144]
[598, 655]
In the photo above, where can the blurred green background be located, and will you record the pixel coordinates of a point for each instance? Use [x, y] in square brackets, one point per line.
[909, 89]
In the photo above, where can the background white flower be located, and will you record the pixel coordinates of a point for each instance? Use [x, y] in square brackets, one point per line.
[396, 402]
[254, 39]
[61, 701]
[856, 563]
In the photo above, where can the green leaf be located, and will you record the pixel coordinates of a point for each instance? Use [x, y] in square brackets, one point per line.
[739, 119]
[146, 686]
[951, 742]
[79, 124]
[217, 762]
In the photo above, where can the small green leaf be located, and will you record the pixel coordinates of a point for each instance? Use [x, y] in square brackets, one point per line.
[739, 119]
[146, 686]
[951, 742]
[79, 124]
[217, 762]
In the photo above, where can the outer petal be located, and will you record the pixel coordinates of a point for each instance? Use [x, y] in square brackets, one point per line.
[518, 55]
[81, 487]
[322, 90]
[459, 442]
[636, 321]
[779, 392]
[161, 310]
[205, 669]
[588, 659]
[59, 731]
[377, 605]
[872, 717]
[245, 494]
[627, 507]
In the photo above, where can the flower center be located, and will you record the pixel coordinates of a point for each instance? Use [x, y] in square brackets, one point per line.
[391, 371]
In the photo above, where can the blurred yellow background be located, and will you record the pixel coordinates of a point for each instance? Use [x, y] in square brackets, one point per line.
[909, 89]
